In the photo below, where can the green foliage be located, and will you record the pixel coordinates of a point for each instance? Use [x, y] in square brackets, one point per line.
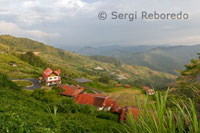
[23, 83]
[166, 59]
[106, 59]
[107, 116]
[58, 89]
[71, 65]
[44, 112]
[33, 60]
[5, 83]
[158, 117]
[104, 79]
[39, 95]
[188, 84]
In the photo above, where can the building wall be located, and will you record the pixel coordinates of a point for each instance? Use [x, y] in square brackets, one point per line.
[53, 78]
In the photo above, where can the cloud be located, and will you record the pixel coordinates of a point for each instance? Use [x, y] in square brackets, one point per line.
[13, 29]
[75, 22]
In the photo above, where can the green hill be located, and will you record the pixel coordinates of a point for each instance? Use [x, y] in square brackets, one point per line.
[106, 59]
[22, 70]
[166, 59]
[73, 65]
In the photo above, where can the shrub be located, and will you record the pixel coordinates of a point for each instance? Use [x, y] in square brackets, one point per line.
[39, 95]
[104, 79]
[107, 116]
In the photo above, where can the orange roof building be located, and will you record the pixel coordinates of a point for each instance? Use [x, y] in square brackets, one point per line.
[99, 101]
[72, 91]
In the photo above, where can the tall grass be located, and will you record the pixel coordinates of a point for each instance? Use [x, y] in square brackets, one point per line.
[157, 117]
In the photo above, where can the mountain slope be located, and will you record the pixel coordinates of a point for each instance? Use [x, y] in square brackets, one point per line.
[168, 59]
[113, 50]
[76, 66]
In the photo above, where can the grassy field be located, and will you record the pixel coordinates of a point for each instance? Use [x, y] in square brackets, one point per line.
[126, 96]
[23, 83]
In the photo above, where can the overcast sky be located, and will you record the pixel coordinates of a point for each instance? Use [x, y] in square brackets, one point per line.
[75, 22]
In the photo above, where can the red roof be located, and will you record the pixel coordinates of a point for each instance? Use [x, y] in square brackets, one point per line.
[116, 108]
[150, 90]
[109, 102]
[127, 86]
[58, 72]
[118, 85]
[48, 71]
[145, 87]
[91, 99]
[72, 91]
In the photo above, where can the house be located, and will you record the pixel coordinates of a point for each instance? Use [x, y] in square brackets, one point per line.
[127, 86]
[72, 91]
[116, 109]
[148, 90]
[51, 77]
[145, 88]
[99, 101]
[118, 85]
[109, 103]
[121, 77]
[13, 64]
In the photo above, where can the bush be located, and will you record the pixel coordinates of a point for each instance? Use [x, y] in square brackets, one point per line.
[104, 79]
[107, 116]
[58, 89]
[33, 60]
[40, 95]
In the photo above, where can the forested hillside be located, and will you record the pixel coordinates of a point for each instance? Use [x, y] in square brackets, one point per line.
[160, 58]
[166, 59]
[74, 65]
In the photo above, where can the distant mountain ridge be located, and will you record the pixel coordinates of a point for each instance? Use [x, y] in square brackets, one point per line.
[167, 59]
[113, 50]
[161, 58]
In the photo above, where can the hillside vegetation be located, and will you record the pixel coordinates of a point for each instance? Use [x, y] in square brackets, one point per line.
[48, 112]
[166, 59]
[73, 65]
[188, 84]
[160, 58]
[106, 59]
[41, 111]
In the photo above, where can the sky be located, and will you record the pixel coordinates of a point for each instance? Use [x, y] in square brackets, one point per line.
[66, 23]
